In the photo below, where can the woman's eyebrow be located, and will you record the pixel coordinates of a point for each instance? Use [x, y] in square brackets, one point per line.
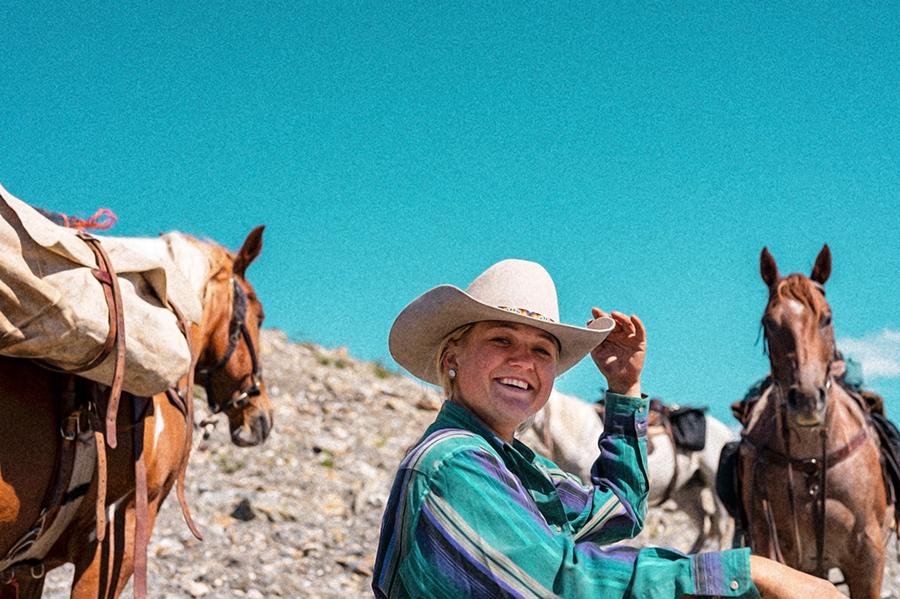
[514, 327]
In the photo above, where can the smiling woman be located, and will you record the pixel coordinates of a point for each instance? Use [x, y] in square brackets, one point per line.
[473, 512]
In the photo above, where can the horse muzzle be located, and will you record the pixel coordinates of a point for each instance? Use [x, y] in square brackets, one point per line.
[807, 405]
[254, 430]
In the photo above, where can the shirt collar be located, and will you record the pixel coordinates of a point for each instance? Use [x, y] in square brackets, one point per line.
[456, 415]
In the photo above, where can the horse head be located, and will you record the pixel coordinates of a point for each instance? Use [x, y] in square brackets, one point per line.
[228, 366]
[799, 337]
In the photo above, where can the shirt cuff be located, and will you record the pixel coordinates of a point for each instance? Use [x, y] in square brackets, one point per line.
[625, 415]
[724, 574]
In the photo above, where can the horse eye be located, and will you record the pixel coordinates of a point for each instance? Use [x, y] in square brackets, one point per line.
[768, 322]
[825, 321]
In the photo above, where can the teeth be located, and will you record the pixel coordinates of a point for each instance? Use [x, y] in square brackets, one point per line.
[515, 383]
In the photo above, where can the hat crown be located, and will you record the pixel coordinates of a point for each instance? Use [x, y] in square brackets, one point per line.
[517, 286]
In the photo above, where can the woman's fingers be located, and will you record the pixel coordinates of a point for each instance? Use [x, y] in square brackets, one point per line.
[626, 326]
[639, 328]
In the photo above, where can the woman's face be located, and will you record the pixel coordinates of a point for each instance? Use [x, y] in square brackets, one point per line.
[505, 372]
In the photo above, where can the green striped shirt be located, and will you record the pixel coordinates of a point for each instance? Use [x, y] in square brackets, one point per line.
[470, 515]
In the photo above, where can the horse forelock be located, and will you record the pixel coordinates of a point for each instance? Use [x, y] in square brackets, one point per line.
[800, 288]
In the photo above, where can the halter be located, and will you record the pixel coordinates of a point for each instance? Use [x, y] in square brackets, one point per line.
[237, 328]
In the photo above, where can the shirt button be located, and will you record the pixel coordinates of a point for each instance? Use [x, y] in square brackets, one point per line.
[734, 585]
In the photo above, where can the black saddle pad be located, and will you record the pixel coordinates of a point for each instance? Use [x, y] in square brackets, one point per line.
[727, 481]
[689, 428]
[890, 448]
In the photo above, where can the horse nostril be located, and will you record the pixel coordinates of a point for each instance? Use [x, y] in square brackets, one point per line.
[264, 426]
[792, 397]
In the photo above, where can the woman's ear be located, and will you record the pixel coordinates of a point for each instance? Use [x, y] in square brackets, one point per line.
[450, 359]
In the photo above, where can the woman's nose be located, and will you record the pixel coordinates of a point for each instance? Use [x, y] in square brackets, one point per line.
[519, 354]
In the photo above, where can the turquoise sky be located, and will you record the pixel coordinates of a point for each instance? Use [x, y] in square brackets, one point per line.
[644, 155]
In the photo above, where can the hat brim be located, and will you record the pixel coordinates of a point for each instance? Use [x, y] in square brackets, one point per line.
[422, 325]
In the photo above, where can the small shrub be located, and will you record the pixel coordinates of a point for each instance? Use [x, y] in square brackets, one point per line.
[381, 371]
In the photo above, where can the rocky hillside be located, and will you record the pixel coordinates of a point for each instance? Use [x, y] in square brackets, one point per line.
[299, 516]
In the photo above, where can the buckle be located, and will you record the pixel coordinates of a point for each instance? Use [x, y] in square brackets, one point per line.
[72, 421]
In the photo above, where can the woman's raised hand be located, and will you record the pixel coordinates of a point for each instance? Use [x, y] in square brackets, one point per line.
[621, 356]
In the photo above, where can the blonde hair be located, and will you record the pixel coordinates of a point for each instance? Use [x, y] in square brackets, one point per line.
[455, 337]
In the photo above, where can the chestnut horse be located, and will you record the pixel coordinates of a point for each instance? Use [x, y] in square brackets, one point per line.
[812, 485]
[224, 347]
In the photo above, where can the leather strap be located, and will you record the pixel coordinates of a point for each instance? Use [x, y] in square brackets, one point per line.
[186, 405]
[141, 517]
[810, 465]
[665, 423]
[106, 274]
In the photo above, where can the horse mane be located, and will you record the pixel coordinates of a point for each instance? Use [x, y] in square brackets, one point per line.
[216, 264]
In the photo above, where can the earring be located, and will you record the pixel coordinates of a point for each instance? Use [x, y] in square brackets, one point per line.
[451, 373]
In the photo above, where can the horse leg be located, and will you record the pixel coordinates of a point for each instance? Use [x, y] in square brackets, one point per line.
[105, 569]
[690, 501]
[864, 570]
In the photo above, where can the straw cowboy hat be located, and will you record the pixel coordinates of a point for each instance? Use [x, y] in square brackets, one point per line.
[512, 291]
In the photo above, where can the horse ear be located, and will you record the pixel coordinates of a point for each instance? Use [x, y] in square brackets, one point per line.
[767, 268]
[249, 250]
[822, 269]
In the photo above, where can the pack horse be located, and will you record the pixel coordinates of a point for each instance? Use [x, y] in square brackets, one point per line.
[69, 495]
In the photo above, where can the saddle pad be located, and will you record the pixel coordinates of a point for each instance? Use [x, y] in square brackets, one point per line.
[890, 450]
[728, 483]
[689, 428]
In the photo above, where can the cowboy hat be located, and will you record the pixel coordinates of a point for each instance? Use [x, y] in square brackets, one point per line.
[512, 291]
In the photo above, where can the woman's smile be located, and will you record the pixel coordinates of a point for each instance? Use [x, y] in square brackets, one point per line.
[505, 372]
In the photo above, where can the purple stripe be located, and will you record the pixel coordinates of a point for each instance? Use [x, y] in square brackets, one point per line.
[453, 560]
[709, 574]
[517, 492]
[573, 496]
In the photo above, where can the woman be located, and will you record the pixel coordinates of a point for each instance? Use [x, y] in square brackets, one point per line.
[473, 512]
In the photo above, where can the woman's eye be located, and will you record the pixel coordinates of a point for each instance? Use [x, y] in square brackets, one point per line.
[500, 340]
[545, 351]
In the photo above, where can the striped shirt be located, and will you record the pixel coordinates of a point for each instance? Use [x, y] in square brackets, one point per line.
[470, 515]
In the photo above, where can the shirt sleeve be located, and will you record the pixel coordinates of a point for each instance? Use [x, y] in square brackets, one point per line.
[473, 533]
[614, 506]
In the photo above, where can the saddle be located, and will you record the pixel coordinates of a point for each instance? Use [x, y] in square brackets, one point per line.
[685, 426]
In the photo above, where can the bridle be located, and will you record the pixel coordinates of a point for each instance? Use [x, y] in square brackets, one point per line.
[237, 328]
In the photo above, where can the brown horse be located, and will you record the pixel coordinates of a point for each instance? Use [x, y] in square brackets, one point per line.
[224, 349]
[812, 483]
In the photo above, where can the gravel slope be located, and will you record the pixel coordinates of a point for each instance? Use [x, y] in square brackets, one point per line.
[299, 516]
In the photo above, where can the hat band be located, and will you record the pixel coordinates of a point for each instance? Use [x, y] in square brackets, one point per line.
[528, 313]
